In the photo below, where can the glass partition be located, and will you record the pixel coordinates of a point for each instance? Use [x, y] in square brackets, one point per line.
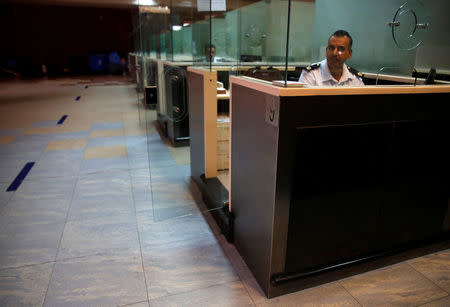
[275, 40]
[367, 22]
[201, 34]
[433, 53]
[182, 44]
[286, 35]
[394, 37]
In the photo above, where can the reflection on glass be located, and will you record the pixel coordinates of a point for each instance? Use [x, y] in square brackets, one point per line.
[250, 38]
[409, 25]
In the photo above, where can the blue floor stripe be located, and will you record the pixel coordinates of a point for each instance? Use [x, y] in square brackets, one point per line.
[63, 118]
[78, 98]
[23, 173]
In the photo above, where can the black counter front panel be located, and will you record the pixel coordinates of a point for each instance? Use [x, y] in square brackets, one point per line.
[359, 190]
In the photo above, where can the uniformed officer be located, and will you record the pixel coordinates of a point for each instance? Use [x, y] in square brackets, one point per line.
[332, 71]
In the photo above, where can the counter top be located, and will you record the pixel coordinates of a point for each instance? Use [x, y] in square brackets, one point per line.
[267, 87]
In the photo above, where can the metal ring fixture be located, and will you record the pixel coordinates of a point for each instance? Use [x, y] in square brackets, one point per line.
[417, 26]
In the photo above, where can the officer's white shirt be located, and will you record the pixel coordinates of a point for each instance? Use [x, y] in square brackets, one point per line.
[215, 60]
[322, 77]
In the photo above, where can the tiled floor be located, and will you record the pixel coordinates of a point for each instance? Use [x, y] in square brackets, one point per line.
[108, 216]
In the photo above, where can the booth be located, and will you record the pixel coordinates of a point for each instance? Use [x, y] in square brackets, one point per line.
[313, 184]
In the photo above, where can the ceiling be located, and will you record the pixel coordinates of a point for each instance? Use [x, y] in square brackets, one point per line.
[126, 3]
[184, 9]
[91, 3]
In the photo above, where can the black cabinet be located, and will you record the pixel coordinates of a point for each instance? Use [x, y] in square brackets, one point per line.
[336, 184]
[373, 187]
[176, 105]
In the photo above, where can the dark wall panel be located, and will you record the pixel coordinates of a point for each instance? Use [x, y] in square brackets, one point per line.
[60, 36]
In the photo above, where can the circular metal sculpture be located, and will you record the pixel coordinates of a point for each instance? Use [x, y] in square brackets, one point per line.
[409, 25]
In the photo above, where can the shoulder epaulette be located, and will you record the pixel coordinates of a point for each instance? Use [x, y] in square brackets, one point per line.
[312, 66]
[355, 72]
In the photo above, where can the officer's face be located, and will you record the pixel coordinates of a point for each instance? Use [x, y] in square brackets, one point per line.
[338, 51]
[210, 53]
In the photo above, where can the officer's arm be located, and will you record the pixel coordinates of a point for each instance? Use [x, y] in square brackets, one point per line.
[307, 77]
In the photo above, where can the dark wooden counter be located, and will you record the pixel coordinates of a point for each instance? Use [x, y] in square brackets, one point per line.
[328, 182]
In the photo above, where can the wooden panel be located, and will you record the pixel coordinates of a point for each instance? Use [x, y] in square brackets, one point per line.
[161, 107]
[325, 110]
[268, 88]
[196, 123]
[263, 175]
[210, 118]
[254, 163]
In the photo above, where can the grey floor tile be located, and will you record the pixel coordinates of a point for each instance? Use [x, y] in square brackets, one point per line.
[435, 267]
[169, 173]
[10, 131]
[103, 185]
[137, 153]
[101, 207]
[229, 294]
[141, 187]
[103, 164]
[25, 286]
[193, 188]
[398, 285]
[154, 137]
[103, 280]
[21, 148]
[8, 174]
[172, 191]
[143, 206]
[331, 294]
[140, 174]
[140, 304]
[160, 163]
[46, 188]
[239, 265]
[142, 194]
[56, 168]
[25, 244]
[37, 211]
[154, 233]
[98, 235]
[185, 170]
[141, 184]
[30, 139]
[141, 154]
[254, 290]
[18, 160]
[158, 149]
[45, 123]
[185, 266]
[25, 143]
[4, 195]
[71, 135]
[137, 140]
[138, 162]
[444, 302]
[137, 144]
[106, 174]
[62, 156]
[155, 142]
[106, 126]
[169, 209]
[107, 141]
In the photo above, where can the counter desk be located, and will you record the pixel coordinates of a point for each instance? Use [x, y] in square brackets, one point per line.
[326, 182]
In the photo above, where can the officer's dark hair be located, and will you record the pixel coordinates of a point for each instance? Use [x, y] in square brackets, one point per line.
[342, 33]
[209, 46]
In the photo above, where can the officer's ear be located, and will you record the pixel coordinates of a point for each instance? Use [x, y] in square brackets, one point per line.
[350, 52]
